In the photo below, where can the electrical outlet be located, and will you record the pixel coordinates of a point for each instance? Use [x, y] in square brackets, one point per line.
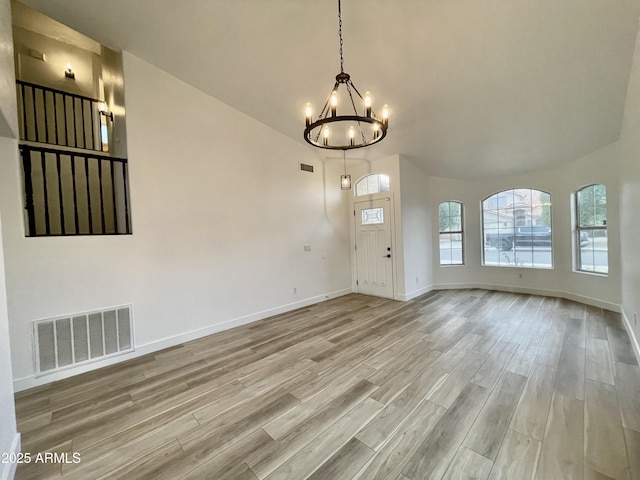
[519, 275]
[417, 280]
[295, 291]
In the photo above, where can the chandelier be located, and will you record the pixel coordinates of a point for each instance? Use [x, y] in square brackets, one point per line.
[353, 129]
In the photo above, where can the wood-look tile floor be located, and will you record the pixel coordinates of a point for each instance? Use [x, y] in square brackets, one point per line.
[454, 384]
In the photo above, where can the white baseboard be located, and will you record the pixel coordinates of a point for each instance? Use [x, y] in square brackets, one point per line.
[8, 470]
[614, 307]
[632, 335]
[31, 381]
[416, 293]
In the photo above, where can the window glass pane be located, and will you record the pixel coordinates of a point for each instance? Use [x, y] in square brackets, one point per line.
[384, 183]
[517, 229]
[373, 216]
[593, 252]
[361, 188]
[450, 249]
[592, 244]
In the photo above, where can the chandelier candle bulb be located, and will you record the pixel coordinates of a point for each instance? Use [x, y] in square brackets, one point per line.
[367, 105]
[334, 103]
[308, 114]
[352, 136]
[385, 115]
[325, 136]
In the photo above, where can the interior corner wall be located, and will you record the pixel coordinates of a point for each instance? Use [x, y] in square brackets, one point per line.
[561, 280]
[416, 230]
[9, 437]
[221, 213]
[630, 198]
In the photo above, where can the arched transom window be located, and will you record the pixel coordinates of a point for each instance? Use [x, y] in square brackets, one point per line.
[374, 183]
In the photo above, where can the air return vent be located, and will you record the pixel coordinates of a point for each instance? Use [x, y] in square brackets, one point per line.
[305, 167]
[65, 342]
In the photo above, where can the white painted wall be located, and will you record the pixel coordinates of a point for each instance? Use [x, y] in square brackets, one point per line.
[630, 197]
[416, 230]
[599, 167]
[220, 213]
[9, 438]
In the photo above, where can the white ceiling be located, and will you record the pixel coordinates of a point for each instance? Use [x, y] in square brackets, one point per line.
[476, 88]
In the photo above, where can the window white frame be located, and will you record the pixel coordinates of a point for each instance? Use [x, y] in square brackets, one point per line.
[591, 239]
[450, 230]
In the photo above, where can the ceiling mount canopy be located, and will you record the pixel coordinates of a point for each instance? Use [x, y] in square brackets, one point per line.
[356, 128]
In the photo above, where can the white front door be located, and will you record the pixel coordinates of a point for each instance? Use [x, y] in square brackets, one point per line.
[373, 248]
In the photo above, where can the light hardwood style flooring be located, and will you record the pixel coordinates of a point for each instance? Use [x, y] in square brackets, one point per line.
[455, 384]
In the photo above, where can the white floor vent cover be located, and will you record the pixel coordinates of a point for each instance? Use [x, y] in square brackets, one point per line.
[64, 342]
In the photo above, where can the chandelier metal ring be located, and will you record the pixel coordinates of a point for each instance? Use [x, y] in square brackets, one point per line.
[345, 118]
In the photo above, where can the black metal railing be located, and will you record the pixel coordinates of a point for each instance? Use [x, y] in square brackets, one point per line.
[47, 115]
[74, 193]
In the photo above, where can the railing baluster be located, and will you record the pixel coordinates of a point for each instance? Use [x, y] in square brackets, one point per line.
[44, 110]
[55, 116]
[92, 106]
[113, 193]
[101, 195]
[35, 113]
[84, 126]
[75, 127]
[25, 134]
[28, 191]
[60, 199]
[86, 172]
[126, 198]
[66, 122]
[47, 220]
[75, 193]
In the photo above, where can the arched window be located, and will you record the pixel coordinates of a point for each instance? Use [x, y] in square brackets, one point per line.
[516, 227]
[451, 233]
[591, 229]
[374, 183]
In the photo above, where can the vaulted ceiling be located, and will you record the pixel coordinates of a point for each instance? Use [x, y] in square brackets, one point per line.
[476, 88]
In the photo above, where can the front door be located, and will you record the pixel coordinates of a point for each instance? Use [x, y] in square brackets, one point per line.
[373, 247]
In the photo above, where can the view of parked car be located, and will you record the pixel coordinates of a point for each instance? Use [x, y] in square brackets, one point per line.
[532, 235]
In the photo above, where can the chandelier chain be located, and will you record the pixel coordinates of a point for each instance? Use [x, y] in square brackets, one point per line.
[340, 35]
